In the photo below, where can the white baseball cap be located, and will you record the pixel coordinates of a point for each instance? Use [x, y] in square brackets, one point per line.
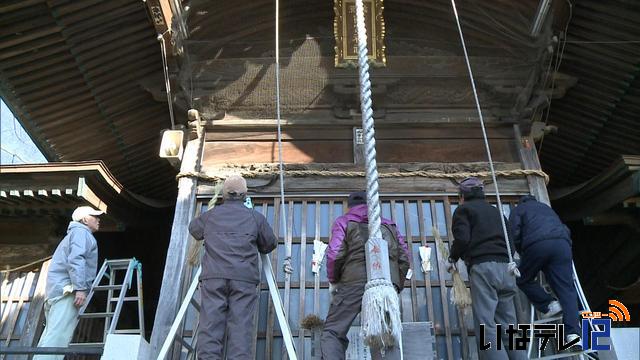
[83, 211]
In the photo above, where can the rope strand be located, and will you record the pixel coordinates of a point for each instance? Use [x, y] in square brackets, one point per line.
[283, 213]
[512, 268]
[167, 82]
[252, 174]
[381, 322]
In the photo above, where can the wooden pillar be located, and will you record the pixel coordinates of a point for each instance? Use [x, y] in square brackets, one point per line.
[174, 274]
[537, 187]
[529, 160]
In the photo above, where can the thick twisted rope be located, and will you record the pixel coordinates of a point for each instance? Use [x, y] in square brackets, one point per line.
[381, 322]
[513, 268]
[252, 174]
[373, 200]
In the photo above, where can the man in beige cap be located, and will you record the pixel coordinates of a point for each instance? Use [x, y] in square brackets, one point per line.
[233, 235]
[71, 273]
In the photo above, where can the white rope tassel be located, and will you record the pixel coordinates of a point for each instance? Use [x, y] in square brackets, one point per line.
[513, 267]
[383, 326]
[381, 322]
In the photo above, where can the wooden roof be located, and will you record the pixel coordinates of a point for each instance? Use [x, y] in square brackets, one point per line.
[58, 188]
[597, 120]
[85, 77]
[617, 186]
[74, 73]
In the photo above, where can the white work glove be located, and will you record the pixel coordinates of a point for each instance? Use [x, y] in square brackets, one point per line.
[332, 289]
[286, 266]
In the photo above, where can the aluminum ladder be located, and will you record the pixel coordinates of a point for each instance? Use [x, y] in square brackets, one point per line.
[189, 299]
[113, 271]
[535, 354]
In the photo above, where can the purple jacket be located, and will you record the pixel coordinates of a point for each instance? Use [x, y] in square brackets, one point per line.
[338, 242]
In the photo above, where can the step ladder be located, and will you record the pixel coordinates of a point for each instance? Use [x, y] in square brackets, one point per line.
[113, 271]
[534, 352]
[173, 337]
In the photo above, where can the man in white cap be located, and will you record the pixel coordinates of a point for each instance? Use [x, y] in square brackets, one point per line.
[233, 235]
[71, 273]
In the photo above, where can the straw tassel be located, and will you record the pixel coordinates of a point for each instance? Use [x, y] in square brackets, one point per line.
[460, 295]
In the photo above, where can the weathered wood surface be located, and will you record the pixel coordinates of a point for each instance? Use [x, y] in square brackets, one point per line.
[596, 199]
[12, 255]
[333, 185]
[323, 151]
[418, 343]
[529, 159]
[324, 119]
[22, 304]
[425, 298]
[174, 271]
[33, 325]
[264, 130]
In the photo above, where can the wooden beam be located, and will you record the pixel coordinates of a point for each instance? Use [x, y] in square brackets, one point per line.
[161, 15]
[174, 275]
[604, 200]
[459, 118]
[385, 131]
[389, 151]
[343, 186]
[19, 254]
[17, 5]
[529, 159]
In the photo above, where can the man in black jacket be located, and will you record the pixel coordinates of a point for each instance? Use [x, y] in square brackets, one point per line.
[479, 241]
[544, 243]
[233, 235]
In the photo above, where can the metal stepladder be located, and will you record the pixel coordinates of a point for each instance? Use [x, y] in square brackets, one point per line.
[582, 355]
[189, 299]
[119, 276]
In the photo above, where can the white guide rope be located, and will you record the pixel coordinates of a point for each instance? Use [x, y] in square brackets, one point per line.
[167, 83]
[512, 265]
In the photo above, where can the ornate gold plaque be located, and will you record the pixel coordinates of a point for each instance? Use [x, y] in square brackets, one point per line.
[344, 30]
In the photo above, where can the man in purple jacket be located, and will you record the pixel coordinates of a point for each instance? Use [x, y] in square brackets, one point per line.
[347, 271]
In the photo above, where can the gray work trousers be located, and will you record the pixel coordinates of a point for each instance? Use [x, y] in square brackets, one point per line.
[493, 289]
[226, 305]
[345, 306]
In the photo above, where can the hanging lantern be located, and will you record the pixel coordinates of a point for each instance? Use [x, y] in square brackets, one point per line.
[171, 146]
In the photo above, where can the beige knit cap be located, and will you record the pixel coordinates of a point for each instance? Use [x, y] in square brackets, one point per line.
[234, 184]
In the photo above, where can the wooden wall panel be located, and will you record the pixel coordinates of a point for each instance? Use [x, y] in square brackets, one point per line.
[300, 152]
[389, 151]
[334, 144]
[22, 306]
[426, 295]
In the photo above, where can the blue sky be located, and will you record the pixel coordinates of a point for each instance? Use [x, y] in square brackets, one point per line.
[16, 146]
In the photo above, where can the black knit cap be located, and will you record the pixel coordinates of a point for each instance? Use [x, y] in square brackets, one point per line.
[357, 198]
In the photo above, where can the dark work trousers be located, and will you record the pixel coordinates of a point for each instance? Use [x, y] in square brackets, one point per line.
[553, 257]
[493, 289]
[345, 307]
[226, 304]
